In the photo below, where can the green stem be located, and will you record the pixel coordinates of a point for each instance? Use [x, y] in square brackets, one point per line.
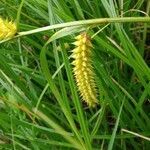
[84, 23]
[19, 13]
[87, 22]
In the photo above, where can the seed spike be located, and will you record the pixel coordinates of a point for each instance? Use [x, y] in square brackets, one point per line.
[7, 29]
[83, 70]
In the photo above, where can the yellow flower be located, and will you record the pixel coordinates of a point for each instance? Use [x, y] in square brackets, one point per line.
[7, 29]
[83, 71]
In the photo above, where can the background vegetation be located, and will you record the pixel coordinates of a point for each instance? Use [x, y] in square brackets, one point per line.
[36, 76]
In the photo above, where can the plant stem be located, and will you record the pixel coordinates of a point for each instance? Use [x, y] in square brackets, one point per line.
[87, 22]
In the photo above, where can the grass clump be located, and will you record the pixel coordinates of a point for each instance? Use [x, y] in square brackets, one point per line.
[40, 105]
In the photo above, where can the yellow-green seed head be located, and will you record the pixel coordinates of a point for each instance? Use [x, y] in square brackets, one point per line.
[83, 71]
[7, 29]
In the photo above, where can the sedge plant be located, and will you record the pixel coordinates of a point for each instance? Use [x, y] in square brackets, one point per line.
[94, 98]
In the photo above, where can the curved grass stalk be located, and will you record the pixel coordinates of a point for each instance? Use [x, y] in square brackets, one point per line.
[84, 23]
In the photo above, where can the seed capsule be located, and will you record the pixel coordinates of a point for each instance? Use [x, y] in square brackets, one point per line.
[7, 29]
[83, 71]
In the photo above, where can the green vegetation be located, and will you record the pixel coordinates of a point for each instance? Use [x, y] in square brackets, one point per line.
[40, 105]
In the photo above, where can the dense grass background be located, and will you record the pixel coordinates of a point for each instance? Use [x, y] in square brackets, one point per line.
[36, 76]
